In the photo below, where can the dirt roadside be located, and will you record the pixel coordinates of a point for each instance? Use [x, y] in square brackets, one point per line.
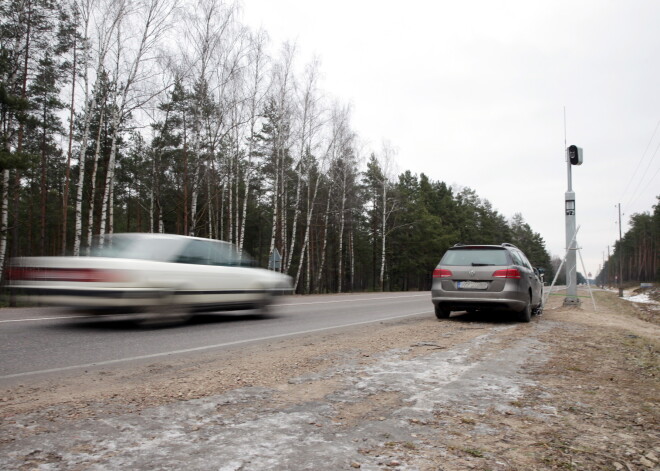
[574, 389]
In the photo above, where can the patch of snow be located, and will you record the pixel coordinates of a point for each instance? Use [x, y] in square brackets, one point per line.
[202, 434]
[640, 298]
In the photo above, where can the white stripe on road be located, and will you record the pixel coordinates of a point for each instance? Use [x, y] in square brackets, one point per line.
[206, 347]
[350, 300]
[45, 319]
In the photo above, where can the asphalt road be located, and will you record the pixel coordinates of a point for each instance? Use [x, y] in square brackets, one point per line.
[38, 342]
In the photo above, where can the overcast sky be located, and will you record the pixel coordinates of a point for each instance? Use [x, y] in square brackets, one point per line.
[473, 93]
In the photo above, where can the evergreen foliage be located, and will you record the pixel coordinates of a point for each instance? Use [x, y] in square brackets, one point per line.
[214, 140]
[637, 255]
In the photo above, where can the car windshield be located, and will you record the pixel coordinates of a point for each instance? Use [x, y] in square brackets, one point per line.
[474, 257]
[142, 248]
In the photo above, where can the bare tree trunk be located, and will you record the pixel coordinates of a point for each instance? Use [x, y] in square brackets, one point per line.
[342, 222]
[351, 248]
[230, 197]
[44, 192]
[308, 272]
[383, 252]
[194, 194]
[82, 161]
[92, 192]
[209, 196]
[65, 198]
[107, 202]
[284, 227]
[325, 245]
[305, 241]
[4, 219]
[152, 195]
[276, 188]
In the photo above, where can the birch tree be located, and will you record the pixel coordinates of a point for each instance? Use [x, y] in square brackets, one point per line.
[343, 174]
[278, 130]
[150, 20]
[258, 88]
[108, 18]
[315, 168]
[387, 208]
[307, 131]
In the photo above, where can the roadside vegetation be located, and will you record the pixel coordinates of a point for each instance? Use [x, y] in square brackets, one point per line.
[173, 116]
[637, 255]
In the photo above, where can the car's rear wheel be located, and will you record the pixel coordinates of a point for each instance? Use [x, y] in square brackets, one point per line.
[526, 314]
[538, 310]
[441, 312]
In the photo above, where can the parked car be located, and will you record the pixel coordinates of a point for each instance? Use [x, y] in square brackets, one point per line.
[158, 274]
[486, 277]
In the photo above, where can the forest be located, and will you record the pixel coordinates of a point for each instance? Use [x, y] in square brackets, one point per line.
[173, 116]
[636, 255]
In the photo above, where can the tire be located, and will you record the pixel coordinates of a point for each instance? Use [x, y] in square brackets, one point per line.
[526, 314]
[538, 309]
[165, 312]
[441, 312]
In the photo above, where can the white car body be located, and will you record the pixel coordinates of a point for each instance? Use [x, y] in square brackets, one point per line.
[150, 272]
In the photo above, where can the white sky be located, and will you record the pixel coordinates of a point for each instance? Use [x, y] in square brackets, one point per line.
[472, 93]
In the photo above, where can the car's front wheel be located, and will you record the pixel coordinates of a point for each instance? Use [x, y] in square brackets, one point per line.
[441, 312]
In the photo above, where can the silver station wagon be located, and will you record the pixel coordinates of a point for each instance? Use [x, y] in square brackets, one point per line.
[486, 277]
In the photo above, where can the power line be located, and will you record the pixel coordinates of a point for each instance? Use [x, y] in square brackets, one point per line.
[637, 191]
[650, 181]
[641, 159]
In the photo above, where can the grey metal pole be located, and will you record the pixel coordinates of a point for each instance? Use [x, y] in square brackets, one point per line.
[620, 257]
[571, 242]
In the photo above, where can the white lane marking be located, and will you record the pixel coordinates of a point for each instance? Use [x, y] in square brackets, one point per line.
[206, 347]
[349, 300]
[45, 319]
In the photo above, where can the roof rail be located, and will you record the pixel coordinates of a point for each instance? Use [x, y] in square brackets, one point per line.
[460, 244]
[506, 244]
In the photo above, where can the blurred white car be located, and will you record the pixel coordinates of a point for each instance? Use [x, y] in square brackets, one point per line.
[159, 274]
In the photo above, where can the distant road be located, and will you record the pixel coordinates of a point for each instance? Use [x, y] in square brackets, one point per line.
[35, 342]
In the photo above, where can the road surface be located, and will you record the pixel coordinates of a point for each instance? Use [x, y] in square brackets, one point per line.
[48, 341]
[371, 382]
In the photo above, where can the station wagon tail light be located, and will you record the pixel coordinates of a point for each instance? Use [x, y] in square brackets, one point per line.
[88, 275]
[508, 273]
[441, 273]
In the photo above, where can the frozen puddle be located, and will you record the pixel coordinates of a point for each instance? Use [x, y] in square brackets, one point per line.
[234, 431]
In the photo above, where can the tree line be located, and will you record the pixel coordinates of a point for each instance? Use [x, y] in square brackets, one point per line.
[173, 116]
[637, 255]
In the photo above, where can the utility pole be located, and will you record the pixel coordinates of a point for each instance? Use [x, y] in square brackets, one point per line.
[620, 257]
[573, 157]
[609, 266]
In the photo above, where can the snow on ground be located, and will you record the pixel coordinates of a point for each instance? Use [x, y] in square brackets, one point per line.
[640, 298]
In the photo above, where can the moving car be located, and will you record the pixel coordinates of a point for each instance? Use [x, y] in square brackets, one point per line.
[158, 274]
[479, 277]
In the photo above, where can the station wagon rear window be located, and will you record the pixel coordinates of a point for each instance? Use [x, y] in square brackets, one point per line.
[474, 257]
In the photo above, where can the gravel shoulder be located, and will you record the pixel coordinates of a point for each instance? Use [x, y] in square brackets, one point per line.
[574, 389]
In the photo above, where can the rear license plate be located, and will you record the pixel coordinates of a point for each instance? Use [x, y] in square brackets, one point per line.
[472, 285]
